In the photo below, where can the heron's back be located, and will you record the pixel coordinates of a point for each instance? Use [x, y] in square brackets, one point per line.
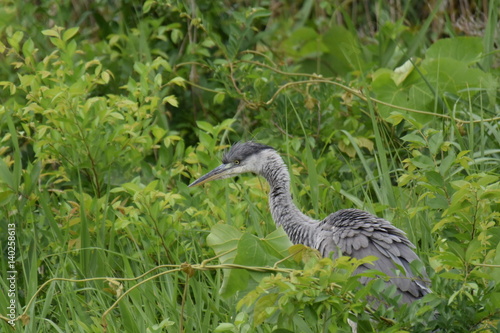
[358, 234]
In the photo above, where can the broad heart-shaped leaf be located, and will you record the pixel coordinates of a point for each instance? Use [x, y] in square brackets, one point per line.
[344, 53]
[303, 42]
[412, 96]
[224, 239]
[251, 252]
[236, 247]
[442, 76]
[464, 49]
[448, 75]
[277, 243]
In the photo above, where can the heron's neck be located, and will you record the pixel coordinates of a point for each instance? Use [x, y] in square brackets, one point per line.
[298, 226]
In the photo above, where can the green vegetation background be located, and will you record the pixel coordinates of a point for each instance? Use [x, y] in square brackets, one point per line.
[109, 109]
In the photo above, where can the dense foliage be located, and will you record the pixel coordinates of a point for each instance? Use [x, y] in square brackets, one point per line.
[109, 109]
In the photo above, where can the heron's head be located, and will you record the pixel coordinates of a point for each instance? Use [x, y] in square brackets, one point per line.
[242, 157]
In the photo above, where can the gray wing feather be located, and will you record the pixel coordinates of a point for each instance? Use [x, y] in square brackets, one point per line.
[359, 234]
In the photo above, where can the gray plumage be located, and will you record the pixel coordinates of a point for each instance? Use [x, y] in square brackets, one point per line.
[350, 232]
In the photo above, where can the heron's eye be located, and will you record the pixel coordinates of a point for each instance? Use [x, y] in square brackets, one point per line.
[236, 162]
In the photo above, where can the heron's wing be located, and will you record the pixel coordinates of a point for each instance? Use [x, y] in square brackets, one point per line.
[359, 234]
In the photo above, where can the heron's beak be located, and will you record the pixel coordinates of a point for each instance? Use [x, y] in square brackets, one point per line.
[222, 171]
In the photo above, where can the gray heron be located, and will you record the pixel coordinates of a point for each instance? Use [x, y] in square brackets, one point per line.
[350, 232]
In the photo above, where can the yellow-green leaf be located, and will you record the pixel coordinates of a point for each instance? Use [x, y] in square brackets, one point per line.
[178, 81]
[172, 100]
[51, 32]
[68, 34]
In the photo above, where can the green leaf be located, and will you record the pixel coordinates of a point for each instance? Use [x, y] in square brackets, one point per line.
[51, 33]
[264, 308]
[219, 97]
[435, 142]
[223, 239]
[447, 162]
[434, 178]
[179, 81]
[207, 127]
[277, 243]
[485, 180]
[105, 77]
[409, 95]
[161, 62]
[235, 247]
[226, 124]
[258, 12]
[172, 100]
[456, 77]
[158, 80]
[303, 42]
[439, 202]
[451, 260]
[423, 162]
[130, 188]
[251, 252]
[414, 138]
[492, 301]
[465, 49]
[457, 249]
[473, 251]
[68, 34]
[147, 7]
[490, 194]
[15, 40]
[225, 327]
[6, 197]
[5, 174]
[28, 48]
[343, 51]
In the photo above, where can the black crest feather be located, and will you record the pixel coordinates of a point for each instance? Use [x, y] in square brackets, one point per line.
[242, 150]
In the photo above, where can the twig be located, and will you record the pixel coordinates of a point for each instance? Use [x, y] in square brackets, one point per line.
[317, 79]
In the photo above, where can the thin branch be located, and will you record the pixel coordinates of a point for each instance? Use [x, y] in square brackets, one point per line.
[316, 79]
